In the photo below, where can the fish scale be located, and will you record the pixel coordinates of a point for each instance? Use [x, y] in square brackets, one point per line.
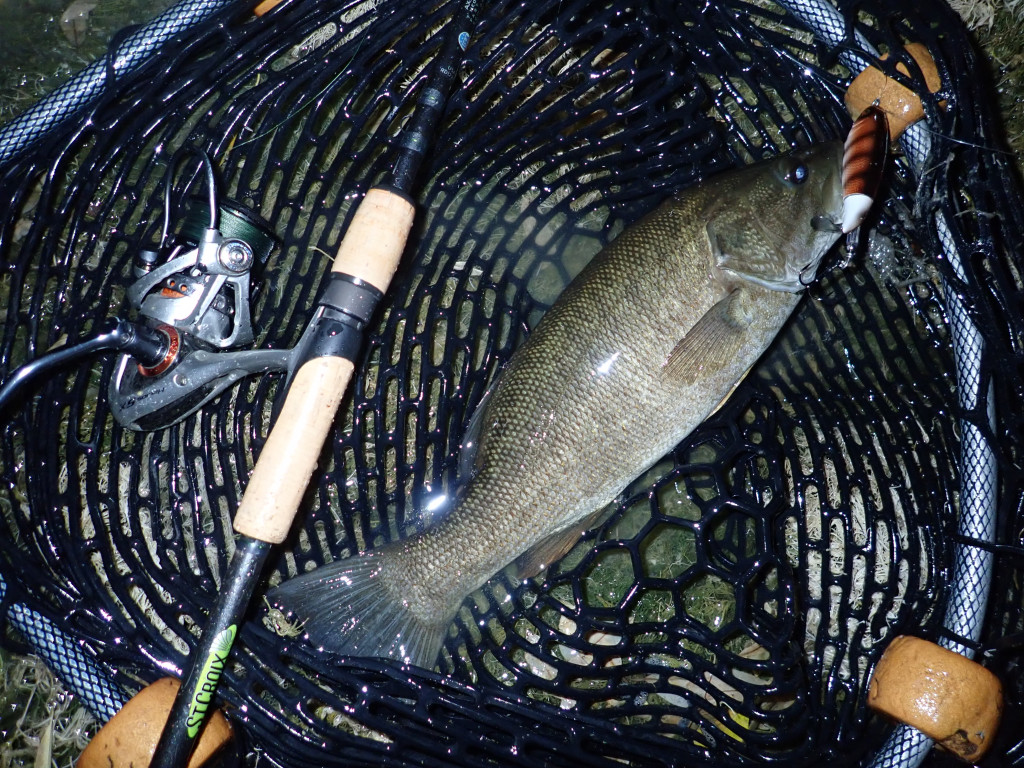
[643, 345]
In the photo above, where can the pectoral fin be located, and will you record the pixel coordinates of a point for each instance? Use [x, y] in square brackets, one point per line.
[712, 341]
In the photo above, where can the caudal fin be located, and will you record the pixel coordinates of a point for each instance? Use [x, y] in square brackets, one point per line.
[348, 610]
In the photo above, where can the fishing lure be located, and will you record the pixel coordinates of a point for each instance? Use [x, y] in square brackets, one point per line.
[867, 146]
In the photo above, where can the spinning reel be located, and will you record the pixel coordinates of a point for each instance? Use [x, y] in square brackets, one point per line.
[198, 298]
[193, 313]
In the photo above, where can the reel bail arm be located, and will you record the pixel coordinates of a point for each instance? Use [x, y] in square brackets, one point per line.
[200, 296]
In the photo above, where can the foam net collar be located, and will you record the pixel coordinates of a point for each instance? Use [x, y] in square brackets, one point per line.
[732, 607]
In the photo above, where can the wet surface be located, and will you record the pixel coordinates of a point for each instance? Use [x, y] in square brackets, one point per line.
[45, 42]
[591, 614]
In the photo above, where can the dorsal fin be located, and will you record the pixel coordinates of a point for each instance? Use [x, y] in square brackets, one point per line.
[468, 449]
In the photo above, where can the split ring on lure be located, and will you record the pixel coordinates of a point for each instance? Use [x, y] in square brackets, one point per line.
[863, 162]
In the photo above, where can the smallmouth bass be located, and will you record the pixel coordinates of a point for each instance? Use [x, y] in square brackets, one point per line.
[641, 347]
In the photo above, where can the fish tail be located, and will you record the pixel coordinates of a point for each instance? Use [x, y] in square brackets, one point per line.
[349, 610]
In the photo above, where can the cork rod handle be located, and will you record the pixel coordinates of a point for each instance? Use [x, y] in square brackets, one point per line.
[370, 252]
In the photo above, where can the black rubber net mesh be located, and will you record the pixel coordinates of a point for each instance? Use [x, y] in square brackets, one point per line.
[732, 606]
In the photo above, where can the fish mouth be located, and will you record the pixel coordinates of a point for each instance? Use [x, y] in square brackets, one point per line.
[828, 225]
[825, 223]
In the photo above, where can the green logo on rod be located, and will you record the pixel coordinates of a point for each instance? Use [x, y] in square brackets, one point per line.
[208, 679]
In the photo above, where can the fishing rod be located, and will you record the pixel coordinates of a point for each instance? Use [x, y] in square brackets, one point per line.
[323, 365]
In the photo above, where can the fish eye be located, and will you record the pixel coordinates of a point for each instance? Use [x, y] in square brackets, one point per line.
[797, 173]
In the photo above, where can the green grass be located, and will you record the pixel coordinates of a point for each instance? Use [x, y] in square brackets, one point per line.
[42, 51]
[41, 724]
[1002, 46]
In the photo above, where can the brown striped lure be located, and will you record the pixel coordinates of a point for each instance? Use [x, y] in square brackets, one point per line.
[863, 163]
